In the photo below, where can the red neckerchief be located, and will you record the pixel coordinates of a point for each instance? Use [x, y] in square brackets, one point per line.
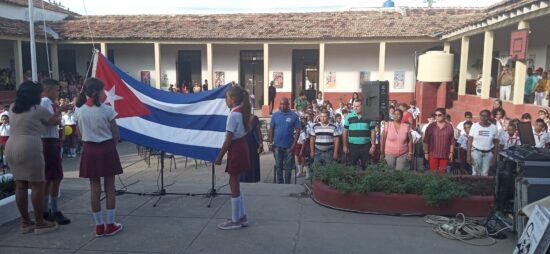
[54, 107]
[236, 109]
[512, 139]
[89, 102]
[501, 122]
[538, 135]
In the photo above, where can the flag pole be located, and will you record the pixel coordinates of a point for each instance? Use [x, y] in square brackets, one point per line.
[33, 42]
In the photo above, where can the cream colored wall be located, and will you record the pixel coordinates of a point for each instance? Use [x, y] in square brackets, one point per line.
[226, 58]
[347, 61]
[134, 58]
[168, 59]
[83, 54]
[280, 60]
[400, 57]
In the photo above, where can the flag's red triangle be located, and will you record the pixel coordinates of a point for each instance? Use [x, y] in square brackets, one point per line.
[126, 103]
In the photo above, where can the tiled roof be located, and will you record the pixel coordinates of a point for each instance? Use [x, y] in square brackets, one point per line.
[507, 5]
[498, 9]
[38, 4]
[19, 28]
[377, 23]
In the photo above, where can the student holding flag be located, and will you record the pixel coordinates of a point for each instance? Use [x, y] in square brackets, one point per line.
[237, 153]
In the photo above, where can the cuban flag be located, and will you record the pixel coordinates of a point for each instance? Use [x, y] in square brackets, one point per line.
[191, 125]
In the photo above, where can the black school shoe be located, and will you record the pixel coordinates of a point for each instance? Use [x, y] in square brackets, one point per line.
[60, 218]
[48, 216]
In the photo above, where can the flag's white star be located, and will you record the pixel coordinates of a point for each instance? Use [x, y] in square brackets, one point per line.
[112, 96]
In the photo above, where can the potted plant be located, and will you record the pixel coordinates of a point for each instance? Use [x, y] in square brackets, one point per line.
[383, 190]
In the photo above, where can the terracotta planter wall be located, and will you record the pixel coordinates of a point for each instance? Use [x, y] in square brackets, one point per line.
[378, 202]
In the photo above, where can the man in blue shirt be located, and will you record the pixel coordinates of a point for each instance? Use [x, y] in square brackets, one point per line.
[283, 133]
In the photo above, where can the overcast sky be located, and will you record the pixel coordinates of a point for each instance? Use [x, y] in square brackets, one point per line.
[102, 7]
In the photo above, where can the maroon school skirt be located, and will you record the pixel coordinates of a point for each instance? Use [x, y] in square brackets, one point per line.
[297, 149]
[4, 140]
[238, 159]
[51, 148]
[99, 160]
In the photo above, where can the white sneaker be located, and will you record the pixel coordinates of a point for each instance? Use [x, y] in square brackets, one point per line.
[298, 171]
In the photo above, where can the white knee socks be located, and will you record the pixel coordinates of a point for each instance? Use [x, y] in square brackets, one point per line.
[98, 218]
[235, 208]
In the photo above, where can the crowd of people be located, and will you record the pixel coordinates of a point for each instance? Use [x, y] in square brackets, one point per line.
[537, 86]
[315, 133]
[311, 134]
[7, 79]
[186, 87]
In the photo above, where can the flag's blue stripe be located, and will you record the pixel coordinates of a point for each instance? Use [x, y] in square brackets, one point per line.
[169, 97]
[197, 152]
[191, 122]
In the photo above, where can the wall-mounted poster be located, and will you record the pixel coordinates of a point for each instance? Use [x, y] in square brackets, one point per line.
[364, 77]
[146, 77]
[219, 78]
[278, 79]
[330, 81]
[399, 80]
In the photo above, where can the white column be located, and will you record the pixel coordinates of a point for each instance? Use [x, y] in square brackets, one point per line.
[209, 66]
[103, 49]
[55, 61]
[464, 51]
[322, 80]
[18, 57]
[382, 61]
[521, 73]
[157, 65]
[447, 47]
[487, 64]
[266, 74]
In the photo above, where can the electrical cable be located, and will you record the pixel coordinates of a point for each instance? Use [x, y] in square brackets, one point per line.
[92, 38]
[460, 228]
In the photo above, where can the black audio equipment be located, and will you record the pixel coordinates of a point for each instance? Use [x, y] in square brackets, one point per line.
[529, 169]
[375, 100]
[528, 153]
[526, 134]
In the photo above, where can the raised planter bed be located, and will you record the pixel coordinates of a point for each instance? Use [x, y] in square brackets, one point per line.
[8, 207]
[386, 203]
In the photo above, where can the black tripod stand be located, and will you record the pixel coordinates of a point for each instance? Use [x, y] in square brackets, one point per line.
[211, 194]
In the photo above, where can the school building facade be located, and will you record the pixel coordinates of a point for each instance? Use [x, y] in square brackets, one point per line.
[331, 51]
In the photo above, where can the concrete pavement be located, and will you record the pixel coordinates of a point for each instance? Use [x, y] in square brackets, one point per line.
[282, 219]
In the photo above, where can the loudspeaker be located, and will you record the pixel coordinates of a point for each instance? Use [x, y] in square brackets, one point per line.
[375, 100]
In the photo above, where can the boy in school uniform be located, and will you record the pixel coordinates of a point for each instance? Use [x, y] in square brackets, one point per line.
[52, 154]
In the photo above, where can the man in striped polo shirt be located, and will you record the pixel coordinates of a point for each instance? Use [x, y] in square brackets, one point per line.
[358, 138]
[324, 141]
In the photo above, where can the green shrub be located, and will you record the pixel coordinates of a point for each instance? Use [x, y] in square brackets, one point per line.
[435, 189]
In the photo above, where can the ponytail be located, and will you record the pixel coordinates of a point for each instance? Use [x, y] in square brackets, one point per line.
[246, 110]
